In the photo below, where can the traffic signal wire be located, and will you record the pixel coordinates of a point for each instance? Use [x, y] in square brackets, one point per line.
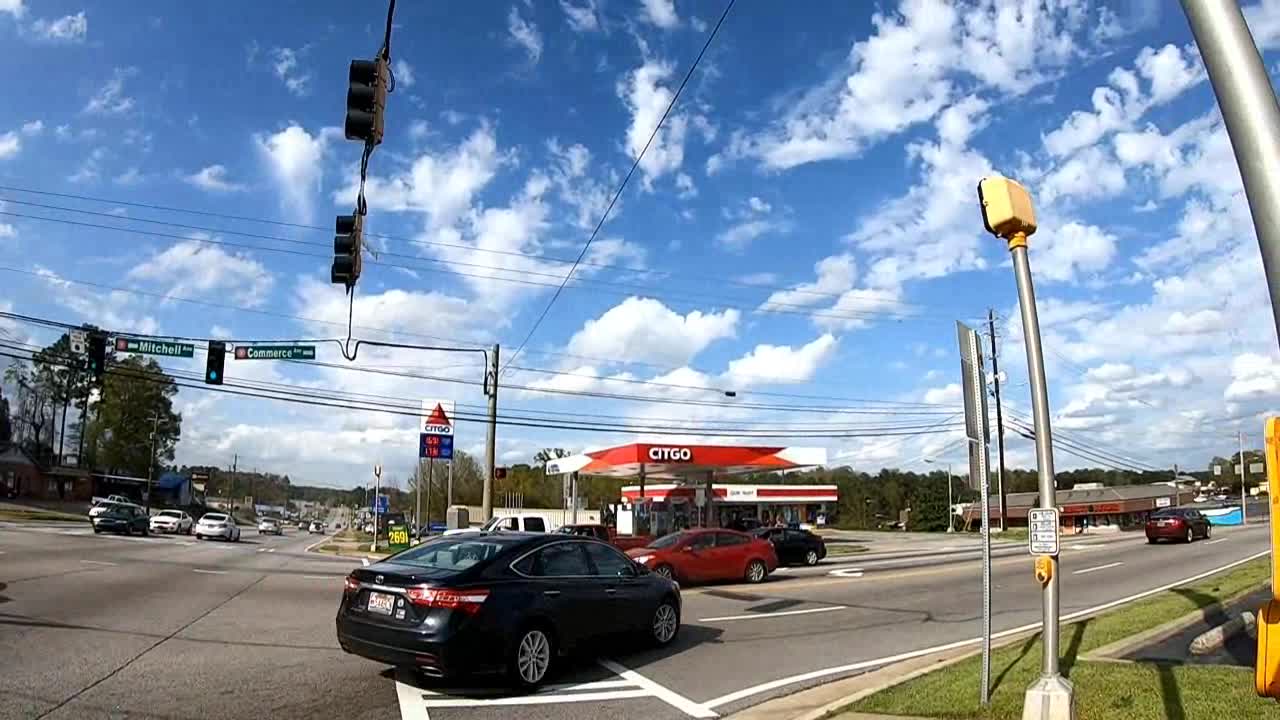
[1081, 449]
[622, 186]
[619, 289]
[911, 308]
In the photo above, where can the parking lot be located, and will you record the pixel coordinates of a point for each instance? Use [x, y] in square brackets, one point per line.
[172, 627]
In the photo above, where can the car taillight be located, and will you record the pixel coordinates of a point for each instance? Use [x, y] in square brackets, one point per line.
[351, 584]
[468, 601]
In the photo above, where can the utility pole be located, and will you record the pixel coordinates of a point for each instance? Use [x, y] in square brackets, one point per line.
[1177, 491]
[995, 376]
[417, 501]
[151, 459]
[491, 438]
[231, 488]
[1244, 513]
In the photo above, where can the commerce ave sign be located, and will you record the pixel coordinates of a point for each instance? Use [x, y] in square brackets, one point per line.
[276, 352]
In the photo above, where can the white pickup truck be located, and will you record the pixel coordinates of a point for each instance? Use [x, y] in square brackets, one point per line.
[523, 522]
[101, 504]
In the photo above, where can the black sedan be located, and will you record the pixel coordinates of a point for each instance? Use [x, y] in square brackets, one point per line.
[501, 603]
[794, 547]
[127, 519]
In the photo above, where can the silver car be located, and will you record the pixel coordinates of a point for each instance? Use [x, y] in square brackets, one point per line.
[217, 525]
[270, 526]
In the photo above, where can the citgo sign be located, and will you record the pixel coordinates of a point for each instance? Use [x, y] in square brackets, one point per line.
[670, 454]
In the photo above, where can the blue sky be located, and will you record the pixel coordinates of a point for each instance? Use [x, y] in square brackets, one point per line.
[805, 223]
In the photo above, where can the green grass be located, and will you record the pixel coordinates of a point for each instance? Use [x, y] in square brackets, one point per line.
[1104, 690]
[1018, 535]
[29, 515]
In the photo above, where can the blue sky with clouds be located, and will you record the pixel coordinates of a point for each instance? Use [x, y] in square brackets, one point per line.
[805, 224]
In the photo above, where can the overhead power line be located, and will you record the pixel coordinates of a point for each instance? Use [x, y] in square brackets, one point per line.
[623, 185]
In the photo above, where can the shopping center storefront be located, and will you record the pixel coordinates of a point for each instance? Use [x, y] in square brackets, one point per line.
[686, 495]
[1104, 508]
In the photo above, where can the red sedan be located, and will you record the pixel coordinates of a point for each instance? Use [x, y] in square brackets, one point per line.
[1184, 524]
[708, 555]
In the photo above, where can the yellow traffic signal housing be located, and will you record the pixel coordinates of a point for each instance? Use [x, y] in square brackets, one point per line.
[1006, 207]
[1267, 668]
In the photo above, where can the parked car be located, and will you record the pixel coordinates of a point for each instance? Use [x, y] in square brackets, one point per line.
[604, 533]
[120, 518]
[708, 556]
[101, 505]
[217, 525]
[524, 522]
[270, 526]
[745, 524]
[794, 547]
[316, 528]
[1184, 524]
[500, 602]
[172, 521]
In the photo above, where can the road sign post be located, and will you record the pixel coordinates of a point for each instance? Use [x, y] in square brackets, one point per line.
[378, 504]
[972, 375]
[1267, 667]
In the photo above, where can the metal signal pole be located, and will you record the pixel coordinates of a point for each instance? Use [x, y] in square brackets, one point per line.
[995, 375]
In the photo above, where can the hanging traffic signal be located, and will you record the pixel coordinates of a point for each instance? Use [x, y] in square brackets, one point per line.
[97, 354]
[347, 244]
[366, 100]
[217, 357]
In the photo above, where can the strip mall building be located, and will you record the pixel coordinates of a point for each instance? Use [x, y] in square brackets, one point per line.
[687, 495]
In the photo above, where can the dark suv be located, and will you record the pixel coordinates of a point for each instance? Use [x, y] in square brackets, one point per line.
[1184, 524]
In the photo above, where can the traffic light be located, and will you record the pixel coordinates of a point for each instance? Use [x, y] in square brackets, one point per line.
[347, 244]
[97, 354]
[217, 357]
[367, 99]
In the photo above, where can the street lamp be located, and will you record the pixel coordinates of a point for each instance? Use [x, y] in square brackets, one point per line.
[951, 525]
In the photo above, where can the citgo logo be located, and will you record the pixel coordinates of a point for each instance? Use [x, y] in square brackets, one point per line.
[670, 454]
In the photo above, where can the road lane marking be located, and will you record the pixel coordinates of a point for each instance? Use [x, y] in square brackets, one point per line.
[1099, 567]
[262, 549]
[670, 697]
[554, 699]
[846, 573]
[782, 613]
[1215, 542]
[209, 572]
[271, 549]
[98, 562]
[877, 662]
[364, 561]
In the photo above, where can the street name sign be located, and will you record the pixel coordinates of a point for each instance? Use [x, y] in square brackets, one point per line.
[275, 352]
[1042, 537]
[155, 347]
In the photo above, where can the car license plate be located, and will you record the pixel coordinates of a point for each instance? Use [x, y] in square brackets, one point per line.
[381, 603]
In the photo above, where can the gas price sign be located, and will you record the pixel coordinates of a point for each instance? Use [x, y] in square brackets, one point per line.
[436, 447]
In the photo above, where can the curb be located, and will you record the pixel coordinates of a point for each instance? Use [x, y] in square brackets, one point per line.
[1213, 639]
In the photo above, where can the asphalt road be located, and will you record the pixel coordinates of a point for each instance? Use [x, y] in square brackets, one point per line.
[100, 626]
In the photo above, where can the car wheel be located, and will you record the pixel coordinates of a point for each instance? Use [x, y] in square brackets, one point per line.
[1208, 530]
[665, 571]
[128, 530]
[96, 531]
[811, 558]
[756, 572]
[530, 661]
[666, 623]
[1191, 535]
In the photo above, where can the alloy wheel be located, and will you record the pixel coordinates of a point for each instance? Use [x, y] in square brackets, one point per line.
[665, 623]
[811, 557]
[533, 657]
[756, 571]
[664, 571]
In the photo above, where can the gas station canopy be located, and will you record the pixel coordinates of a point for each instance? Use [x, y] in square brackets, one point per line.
[679, 462]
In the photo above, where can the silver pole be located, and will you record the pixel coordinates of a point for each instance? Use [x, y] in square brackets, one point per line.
[486, 497]
[1243, 512]
[951, 525]
[448, 491]
[1252, 119]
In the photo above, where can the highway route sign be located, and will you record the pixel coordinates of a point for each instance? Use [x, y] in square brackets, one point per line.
[155, 347]
[1043, 536]
[275, 352]
[435, 447]
[437, 417]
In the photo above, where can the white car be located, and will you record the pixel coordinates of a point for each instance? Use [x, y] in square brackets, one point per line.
[101, 505]
[217, 525]
[172, 521]
[510, 523]
[270, 526]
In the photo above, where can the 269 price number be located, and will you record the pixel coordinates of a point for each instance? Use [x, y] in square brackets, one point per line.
[398, 535]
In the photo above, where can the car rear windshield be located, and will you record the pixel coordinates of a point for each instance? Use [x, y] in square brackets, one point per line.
[448, 554]
[1167, 514]
[169, 513]
[214, 517]
[667, 541]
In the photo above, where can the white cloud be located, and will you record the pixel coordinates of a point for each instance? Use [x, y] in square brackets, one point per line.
[404, 74]
[111, 99]
[13, 7]
[782, 363]
[737, 237]
[131, 176]
[1064, 251]
[214, 179]
[525, 34]
[859, 307]
[294, 159]
[686, 190]
[947, 395]
[192, 266]
[758, 278]
[645, 330]
[286, 64]
[582, 18]
[112, 309]
[33, 128]
[661, 13]
[1253, 376]
[646, 99]
[90, 168]
[7, 231]
[835, 275]
[70, 28]
[10, 144]
[1091, 173]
